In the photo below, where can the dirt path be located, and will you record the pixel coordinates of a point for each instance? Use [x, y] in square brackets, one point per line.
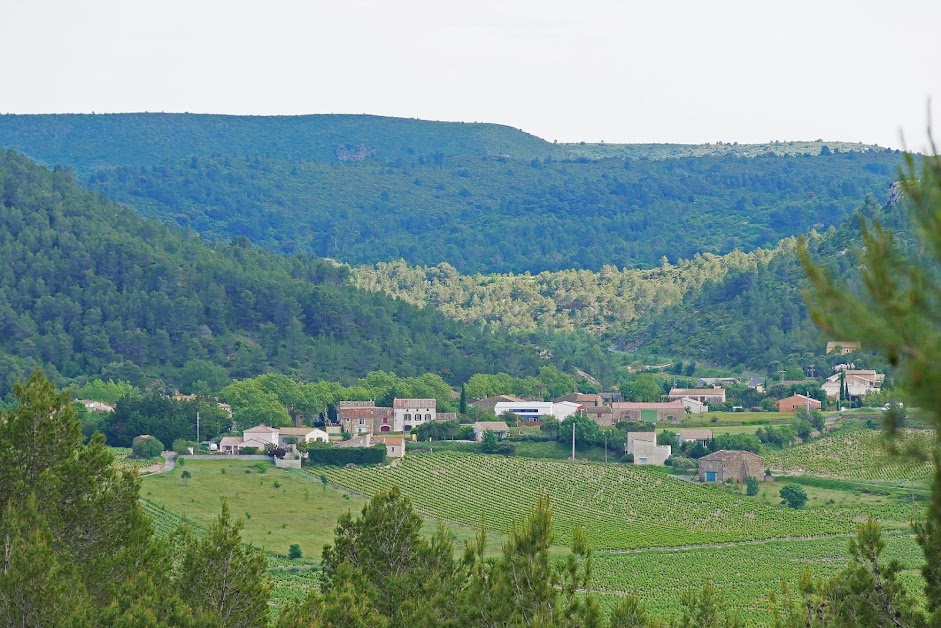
[169, 463]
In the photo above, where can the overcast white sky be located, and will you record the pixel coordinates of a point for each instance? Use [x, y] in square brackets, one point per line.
[620, 71]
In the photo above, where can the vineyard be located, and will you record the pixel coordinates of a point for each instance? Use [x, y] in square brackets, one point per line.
[618, 506]
[857, 454]
[744, 575]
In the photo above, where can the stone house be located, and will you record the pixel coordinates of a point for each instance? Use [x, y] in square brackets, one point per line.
[409, 413]
[724, 464]
[364, 417]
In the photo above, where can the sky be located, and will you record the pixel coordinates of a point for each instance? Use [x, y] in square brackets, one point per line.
[686, 71]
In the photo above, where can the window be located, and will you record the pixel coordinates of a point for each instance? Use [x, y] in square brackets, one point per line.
[427, 417]
[362, 421]
[407, 417]
[385, 420]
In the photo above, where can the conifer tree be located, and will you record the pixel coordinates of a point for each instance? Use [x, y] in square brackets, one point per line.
[223, 580]
[895, 313]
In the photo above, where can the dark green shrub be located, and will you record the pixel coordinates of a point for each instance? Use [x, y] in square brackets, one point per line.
[294, 552]
[146, 447]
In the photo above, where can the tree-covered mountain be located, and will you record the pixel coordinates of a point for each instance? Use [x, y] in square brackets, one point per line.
[91, 142]
[495, 215]
[481, 197]
[87, 287]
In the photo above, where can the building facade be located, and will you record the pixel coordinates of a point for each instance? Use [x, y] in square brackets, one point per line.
[725, 464]
[409, 413]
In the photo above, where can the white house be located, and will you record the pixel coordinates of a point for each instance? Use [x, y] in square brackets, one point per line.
[526, 410]
[694, 406]
[286, 435]
[643, 446]
[409, 413]
[538, 410]
[261, 436]
[261, 433]
[564, 409]
[859, 383]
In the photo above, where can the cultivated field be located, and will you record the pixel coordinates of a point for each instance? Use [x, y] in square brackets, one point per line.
[619, 506]
[856, 454]
[744, 575]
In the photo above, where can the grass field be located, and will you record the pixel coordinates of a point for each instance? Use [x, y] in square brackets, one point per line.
[855, 454]
[619, 506]
[279, 506]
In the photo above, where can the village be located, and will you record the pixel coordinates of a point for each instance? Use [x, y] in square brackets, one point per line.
[654, 433]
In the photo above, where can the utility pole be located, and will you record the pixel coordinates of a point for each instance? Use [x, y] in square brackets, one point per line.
[573, 440]
[197, 428]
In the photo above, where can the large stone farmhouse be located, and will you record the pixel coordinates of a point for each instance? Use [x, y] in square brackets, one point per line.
[364, 417]
[858, 383]
[725, 464]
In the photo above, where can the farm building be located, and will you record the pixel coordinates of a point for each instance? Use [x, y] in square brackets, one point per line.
[796, 402]
[500, 429]
[530, 411]
[643, 446]
[652, 412]
[724, 464]
[395, 445]
[289, 435]
[689, 435]
[703, 395]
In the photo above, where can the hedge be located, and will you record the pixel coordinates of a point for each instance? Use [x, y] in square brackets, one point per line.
[340, 456]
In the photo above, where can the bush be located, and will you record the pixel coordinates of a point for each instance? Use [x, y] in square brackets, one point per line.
[629, 459]
[793, 496]
[249, 451]
[181, 446]
[277, 452]
[751, 486]
[261, 467]
[146, 447]
[294, 552]
[504, 449]
[186, 475]
[488, 442]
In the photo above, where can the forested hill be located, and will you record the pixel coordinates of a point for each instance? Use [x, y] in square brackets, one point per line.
[753, 316]
[87, 287]
[88, 142]
[496, 215]
[732, 310]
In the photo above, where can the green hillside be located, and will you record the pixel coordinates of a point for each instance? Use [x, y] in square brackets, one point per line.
[90, 142]
[617, 506]
[736, 309]
[494, 215]
[89, 288]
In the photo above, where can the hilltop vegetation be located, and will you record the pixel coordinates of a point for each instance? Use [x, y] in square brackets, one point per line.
[483, 198]
[495, 215]
[88, 288]
[91, 142]
[719, 149]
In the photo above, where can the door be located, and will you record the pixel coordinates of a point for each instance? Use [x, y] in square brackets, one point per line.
[710, 476]
[648, 416]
